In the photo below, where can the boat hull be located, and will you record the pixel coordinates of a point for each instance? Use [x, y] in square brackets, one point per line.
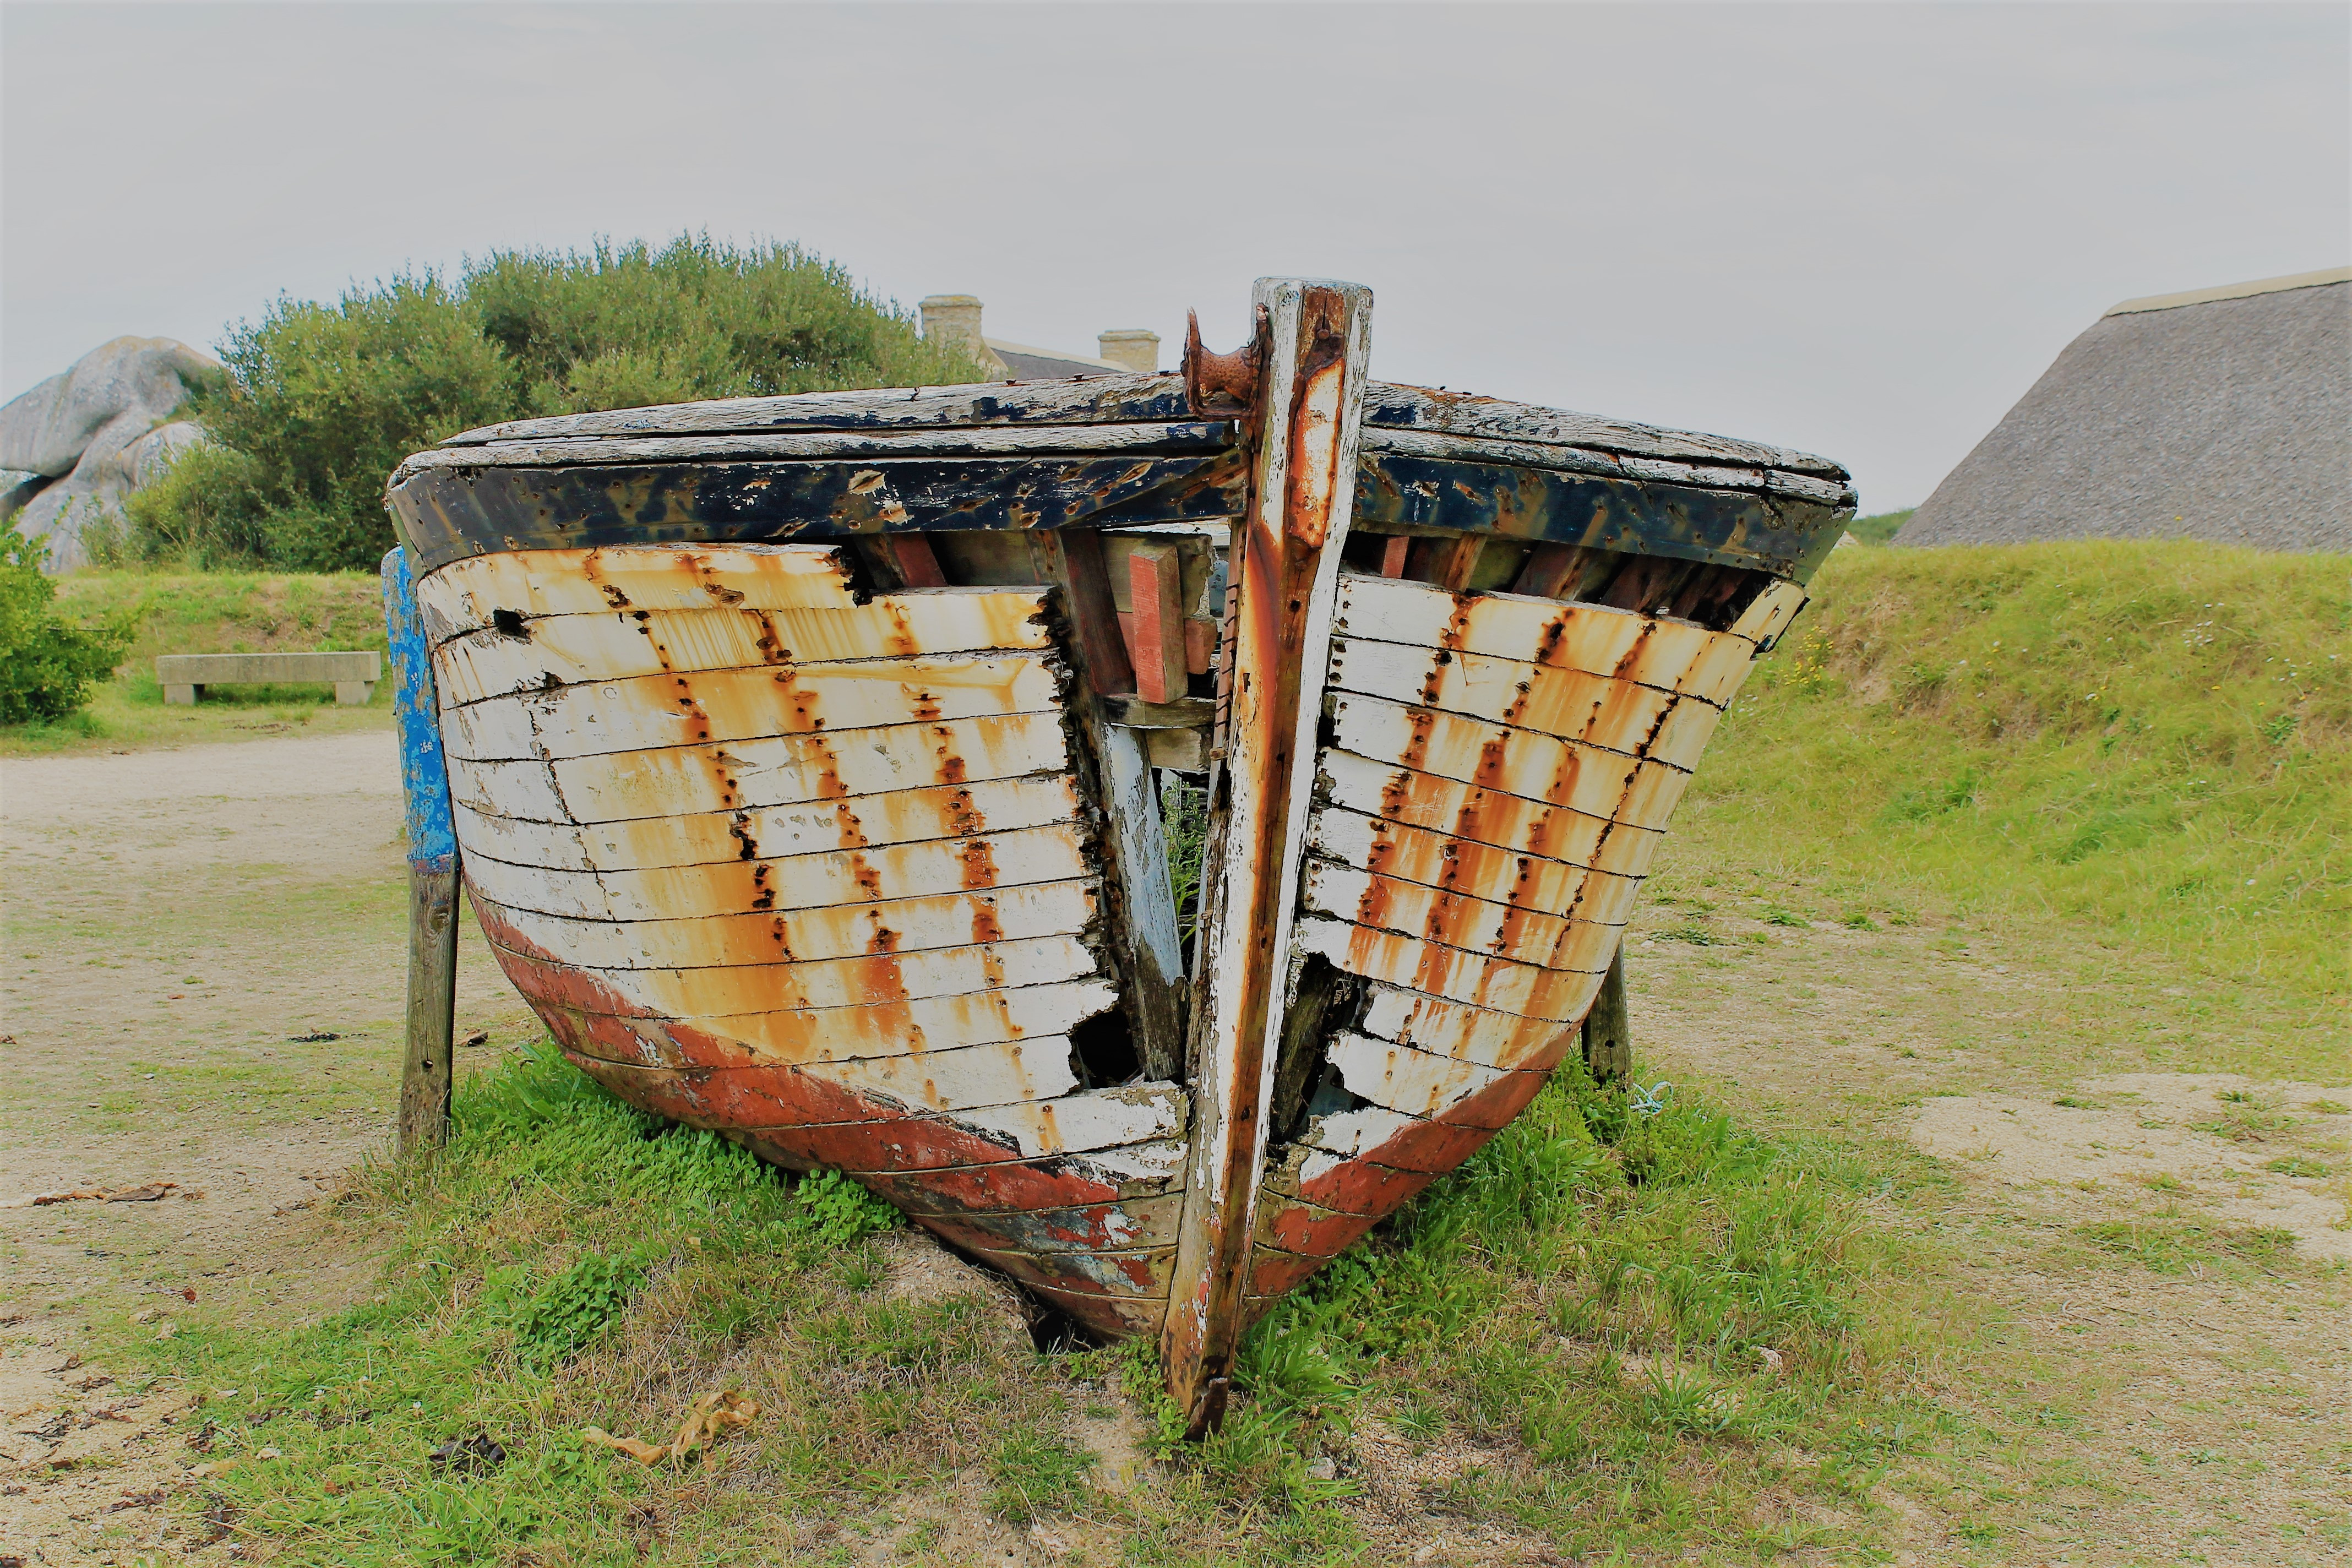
[809, 762]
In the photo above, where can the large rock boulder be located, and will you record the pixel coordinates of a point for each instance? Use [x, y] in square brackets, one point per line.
[101, 429]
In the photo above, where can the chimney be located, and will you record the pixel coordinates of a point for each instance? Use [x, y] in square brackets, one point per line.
[1133, 347]
[955, 319]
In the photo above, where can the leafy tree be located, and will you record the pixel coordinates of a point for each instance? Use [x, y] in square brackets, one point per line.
[322, 401]
[48, 664]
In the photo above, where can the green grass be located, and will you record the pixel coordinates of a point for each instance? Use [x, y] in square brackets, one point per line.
[2145, 743]
[214, 611]
[1880, 528]
[1594, 1293]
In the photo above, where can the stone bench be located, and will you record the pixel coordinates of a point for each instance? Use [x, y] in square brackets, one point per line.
[185, 676]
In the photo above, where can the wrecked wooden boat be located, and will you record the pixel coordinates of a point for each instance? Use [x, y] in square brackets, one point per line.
[810, 761]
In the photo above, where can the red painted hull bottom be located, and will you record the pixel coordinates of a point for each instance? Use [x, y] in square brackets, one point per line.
[1094, 1240]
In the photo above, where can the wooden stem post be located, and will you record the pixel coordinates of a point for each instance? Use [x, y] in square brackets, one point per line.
[1608, 1041]
[1306, 417]
[427, 1058]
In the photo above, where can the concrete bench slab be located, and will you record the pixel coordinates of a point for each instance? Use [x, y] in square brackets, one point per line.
[185, 676]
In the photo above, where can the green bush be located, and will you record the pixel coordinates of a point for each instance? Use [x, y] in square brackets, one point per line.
[322, 401]
[48, 664]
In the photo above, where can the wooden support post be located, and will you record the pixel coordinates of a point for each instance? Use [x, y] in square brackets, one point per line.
[1154, 573]
[1306, 418]
[1393, 554]
[1446, 563]
[1552, 572]
[426, 1057]
[1608, 1041]
[918, 563]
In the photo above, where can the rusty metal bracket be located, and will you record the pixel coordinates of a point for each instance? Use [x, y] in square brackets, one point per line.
[1227, 382]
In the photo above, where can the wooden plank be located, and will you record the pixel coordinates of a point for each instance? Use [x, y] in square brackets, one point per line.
[1156, 642]
[1156, 951]
[1647, 650]
[853, 881]
[1458, 919]
[1398, 407]
[1091, 400]
[1785, 535]
[1123, 1226]
[804, 1036]
[1770, 612]
[794, 768]
[642, 711]
[1399, 1078]
[1495, 983]
[1470, 813]
[1593, 710]
[561, 650]
[1553, 572]
[1456, 1029]
[1394, 553]
[1446, 562]
[428, 1073]
[1589, 779]
[466, 595]
[848, 822]
[865, 981]
[446, 513]
[1084, 441]
[1446, 864]
[955, 920]
[919, 564]
[1285, 571]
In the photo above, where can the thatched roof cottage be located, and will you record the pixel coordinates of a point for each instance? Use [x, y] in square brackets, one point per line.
[2224, 414]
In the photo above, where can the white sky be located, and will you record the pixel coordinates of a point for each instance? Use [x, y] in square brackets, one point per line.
[1858, 229]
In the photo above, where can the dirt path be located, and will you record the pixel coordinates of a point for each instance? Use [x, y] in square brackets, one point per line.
[205, 974]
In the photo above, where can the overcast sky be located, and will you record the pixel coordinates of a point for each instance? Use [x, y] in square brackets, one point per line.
[1858, 229]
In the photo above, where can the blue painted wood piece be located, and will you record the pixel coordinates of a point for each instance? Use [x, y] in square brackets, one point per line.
[424, 773]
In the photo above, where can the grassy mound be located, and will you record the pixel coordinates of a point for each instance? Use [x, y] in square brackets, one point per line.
[1646, 1324]
[214, 611]
[2148, 742]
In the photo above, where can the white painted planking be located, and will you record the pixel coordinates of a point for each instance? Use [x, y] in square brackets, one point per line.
[1770, 614]
[803, 769]
[1495, 983]
[567, 649]
[521, 790]
[1441, 1027]
[1670, 655]
[1443, 861]
[824, 879]
[1570, 704]
[1517, 762]
[1399, 1078]
[954, 920]
[813, 1035]
[1457, 919]
[1089, 1119]
[465, 595]
[671, 710]
[687, 993]
[849, 822]
[1468, 812]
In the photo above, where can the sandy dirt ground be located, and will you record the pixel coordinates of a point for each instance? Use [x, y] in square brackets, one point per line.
[203, 980]
[202, 987]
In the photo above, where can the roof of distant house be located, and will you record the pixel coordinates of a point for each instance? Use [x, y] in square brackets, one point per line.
[2221, 413]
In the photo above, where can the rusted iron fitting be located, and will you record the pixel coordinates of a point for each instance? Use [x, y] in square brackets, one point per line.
[1223, 383]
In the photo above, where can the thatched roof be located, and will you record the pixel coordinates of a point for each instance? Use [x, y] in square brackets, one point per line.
[2224, 413]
